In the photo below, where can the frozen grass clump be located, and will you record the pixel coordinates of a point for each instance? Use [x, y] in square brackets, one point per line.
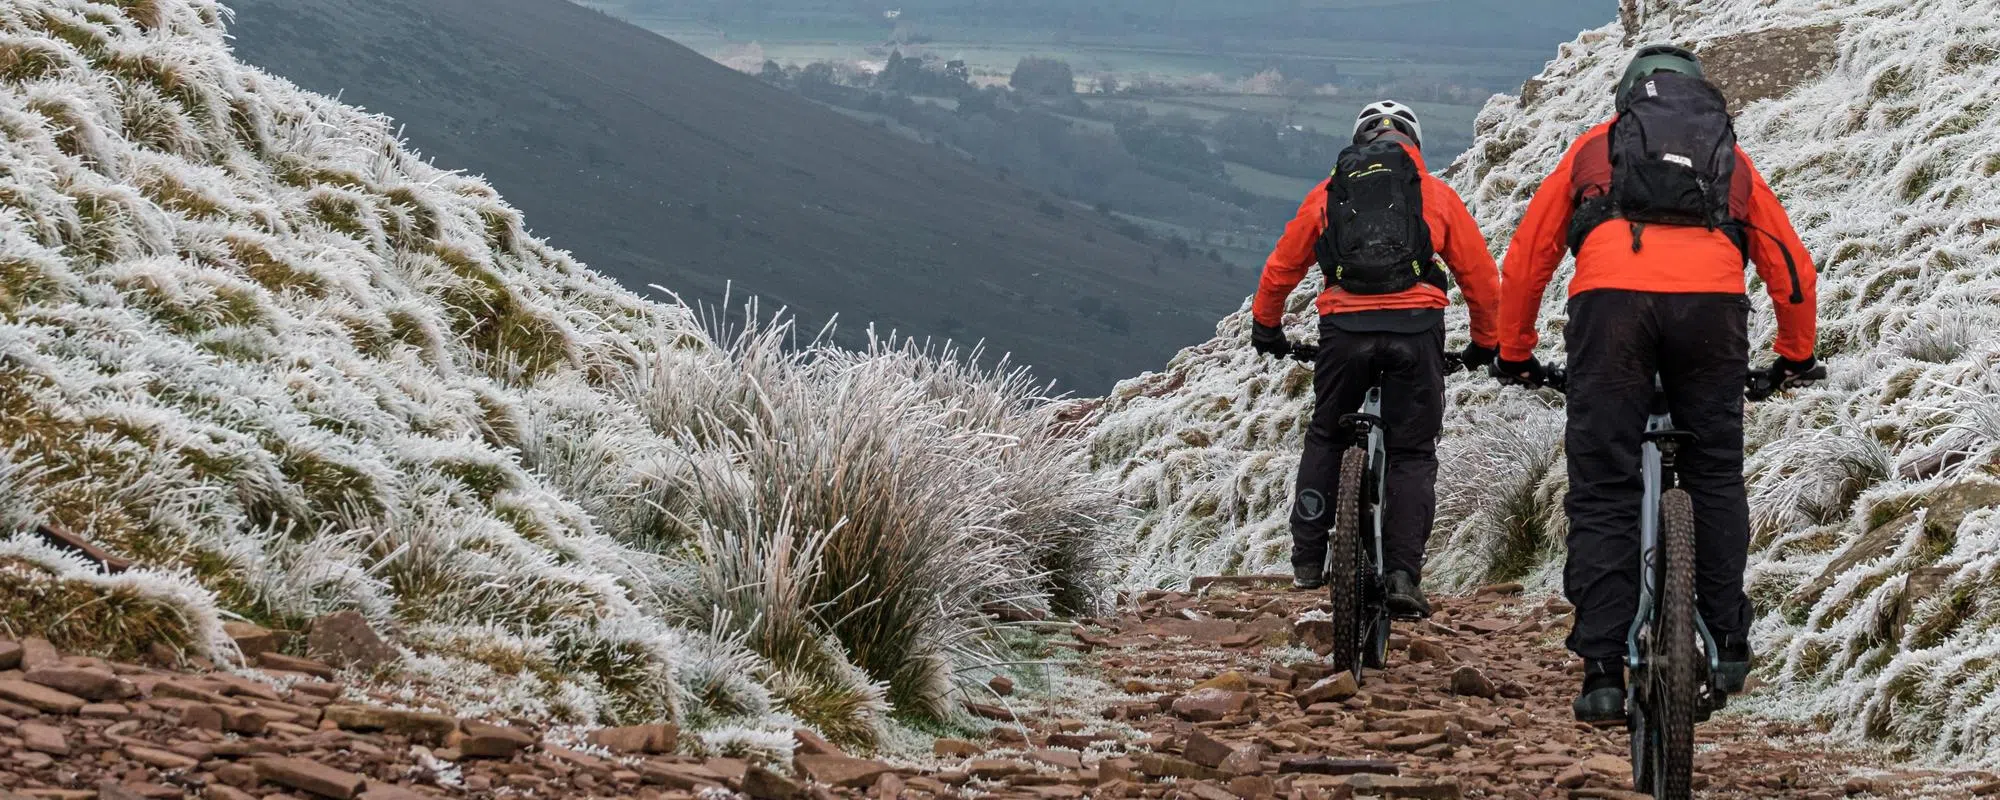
[61, 597]
[1500, 487]
[856, 513]
[1866, 491]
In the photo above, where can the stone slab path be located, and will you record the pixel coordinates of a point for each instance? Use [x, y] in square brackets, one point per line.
[1215, 695]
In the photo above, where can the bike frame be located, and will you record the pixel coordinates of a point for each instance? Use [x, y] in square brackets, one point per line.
[1657, 453]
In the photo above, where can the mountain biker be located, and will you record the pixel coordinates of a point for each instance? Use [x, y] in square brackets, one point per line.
[1391, 331]
[1663, 296]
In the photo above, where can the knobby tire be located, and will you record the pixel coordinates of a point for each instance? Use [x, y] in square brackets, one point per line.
[1677, 662]
[1345, 564]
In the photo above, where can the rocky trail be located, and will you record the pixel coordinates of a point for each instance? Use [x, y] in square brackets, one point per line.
[1473, 704]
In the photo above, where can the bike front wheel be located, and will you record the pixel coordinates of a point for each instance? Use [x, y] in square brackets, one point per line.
[1345, 564]
[1674, 662]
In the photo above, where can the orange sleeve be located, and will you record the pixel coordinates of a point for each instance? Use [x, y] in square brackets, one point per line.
[1288, 263]
[1471, 263]
[1787, 269]
[1532, 257]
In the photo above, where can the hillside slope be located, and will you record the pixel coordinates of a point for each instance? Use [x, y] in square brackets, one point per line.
[1877, 517]
[657, 166]
[252, 344]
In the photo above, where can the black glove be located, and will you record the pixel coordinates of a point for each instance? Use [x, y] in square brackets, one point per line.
[1476, 357]
[1529, 373]
[1270, 340]
[1774, 379]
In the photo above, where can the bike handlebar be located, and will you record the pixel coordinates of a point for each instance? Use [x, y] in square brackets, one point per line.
[1756, 383]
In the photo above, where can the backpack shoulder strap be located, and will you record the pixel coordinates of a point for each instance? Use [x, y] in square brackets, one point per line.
[1590, 186]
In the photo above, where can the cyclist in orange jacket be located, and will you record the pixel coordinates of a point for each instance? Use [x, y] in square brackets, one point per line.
[1385, 330]
[1662, 210]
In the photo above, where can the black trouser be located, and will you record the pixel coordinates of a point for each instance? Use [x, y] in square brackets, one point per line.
[1698, 345]
[1410, 369]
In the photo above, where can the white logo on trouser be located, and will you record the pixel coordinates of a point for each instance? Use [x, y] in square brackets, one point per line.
[1312, 504]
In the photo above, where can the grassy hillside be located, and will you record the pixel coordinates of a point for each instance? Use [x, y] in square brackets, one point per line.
[253, 344]
[658, 166]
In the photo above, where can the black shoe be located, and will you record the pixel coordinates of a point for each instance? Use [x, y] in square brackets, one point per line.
[1734, 670]
[1306, 579]
[1603, 699]
[1404, 599]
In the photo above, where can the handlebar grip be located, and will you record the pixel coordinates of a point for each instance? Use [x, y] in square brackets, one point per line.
[1759, 386]
[1557, 379]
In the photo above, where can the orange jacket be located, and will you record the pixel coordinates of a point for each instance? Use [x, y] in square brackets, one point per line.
[1454, 235]
[1672, 259]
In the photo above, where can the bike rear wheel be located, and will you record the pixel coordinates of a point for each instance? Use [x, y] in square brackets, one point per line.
[1346, 565]
[1674, 664]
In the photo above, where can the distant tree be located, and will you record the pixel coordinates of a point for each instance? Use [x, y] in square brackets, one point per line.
[1178, 150]
[773, 73]
[1047, 77]
[816, 74]
[918, 76]
[979, 102]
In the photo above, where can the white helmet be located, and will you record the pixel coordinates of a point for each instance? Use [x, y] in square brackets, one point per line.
[1389, 113]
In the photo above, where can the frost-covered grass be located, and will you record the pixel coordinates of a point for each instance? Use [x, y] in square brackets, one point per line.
[1875, 557]
[251, 341]
[866, 507]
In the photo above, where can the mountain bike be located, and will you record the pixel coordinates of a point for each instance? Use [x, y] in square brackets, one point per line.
[1671, 656]
[1355, 577]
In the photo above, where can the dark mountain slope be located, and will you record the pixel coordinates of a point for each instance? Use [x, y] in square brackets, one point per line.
[656, 165]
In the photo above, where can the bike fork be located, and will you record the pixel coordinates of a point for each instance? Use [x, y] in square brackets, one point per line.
[1378, 462]
[1657, 463]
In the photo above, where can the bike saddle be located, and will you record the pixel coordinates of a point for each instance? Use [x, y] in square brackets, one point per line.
[1676, 438]
[1355, 420]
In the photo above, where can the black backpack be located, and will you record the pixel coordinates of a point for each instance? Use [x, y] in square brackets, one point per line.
[1376, 239]
[1673, 160]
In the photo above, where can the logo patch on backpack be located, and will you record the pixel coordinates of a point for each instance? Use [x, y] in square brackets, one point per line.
[1376, 239]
